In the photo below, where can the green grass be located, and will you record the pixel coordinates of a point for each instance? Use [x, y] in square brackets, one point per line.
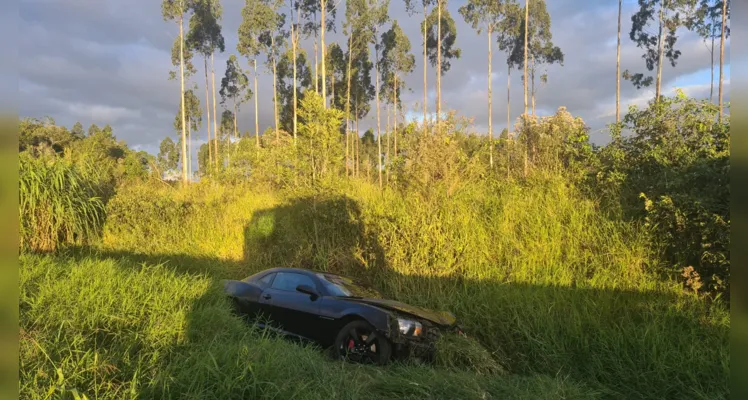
[568, 301]
[108, 328]
[58, 204]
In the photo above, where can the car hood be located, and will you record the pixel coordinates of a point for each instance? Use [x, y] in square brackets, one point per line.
[437, 317]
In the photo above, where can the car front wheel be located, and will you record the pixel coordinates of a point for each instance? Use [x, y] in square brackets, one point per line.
[359, 342]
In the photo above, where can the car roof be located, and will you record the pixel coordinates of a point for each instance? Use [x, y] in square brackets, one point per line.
[298, 270]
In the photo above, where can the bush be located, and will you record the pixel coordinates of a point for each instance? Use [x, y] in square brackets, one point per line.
[673, 173]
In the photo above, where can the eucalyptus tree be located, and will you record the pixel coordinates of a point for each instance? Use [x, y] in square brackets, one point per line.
[362, 92]
[273, 41]
[707, 22]
[484, 15]
[225, 130]
[379, 17]
[526, 24]
[526, 34]
[509, 29]
[293, 82]
[538, 46]
[618, 64]
[359, 30]
[175, 10]
[257, 19]
[193, 118]
[410, 6]
[204, 37]
[396, 63]
[235, 87]
[168, 155]
[722, 55]
[327, 10]
[667, 16]
[335, 68]
[440, 44]
[295, 25]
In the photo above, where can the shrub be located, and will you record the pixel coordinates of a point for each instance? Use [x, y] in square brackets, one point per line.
[673, 173]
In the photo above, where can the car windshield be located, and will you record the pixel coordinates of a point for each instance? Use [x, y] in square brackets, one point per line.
[341, 286]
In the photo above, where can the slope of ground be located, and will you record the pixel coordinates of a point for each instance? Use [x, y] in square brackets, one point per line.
[568, 301]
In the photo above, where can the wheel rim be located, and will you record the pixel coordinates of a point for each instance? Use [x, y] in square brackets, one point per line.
[359, 345]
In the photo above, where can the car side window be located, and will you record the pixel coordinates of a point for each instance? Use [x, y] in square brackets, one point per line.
[289, 281]
[266, 280]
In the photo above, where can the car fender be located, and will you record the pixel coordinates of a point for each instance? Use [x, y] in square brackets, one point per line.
[381, 320]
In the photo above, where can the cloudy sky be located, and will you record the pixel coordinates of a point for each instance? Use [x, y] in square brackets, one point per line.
[103, 62]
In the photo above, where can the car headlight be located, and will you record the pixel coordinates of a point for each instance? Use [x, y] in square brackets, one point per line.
[408, 327]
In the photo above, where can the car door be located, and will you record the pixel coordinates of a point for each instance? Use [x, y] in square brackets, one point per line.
[264, 310]
[294, 311]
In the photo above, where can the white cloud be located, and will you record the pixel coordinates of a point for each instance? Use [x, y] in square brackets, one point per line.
[109, 63]
[101, 113]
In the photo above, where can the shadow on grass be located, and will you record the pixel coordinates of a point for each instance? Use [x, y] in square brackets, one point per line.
[623, 343]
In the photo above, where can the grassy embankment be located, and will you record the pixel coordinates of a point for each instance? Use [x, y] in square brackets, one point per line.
[568, 301]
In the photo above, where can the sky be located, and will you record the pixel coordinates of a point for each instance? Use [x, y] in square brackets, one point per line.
[108, 62]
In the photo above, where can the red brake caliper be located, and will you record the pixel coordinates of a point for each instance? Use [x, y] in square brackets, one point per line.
[350, 344]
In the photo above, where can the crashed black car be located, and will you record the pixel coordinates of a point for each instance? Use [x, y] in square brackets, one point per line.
[352, 319]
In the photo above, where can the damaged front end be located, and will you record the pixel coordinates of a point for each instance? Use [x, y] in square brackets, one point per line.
[416, 338]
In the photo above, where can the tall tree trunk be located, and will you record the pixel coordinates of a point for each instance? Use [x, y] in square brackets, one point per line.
[660, 51]
[357, 138]
[532, 82]
[439, 66]
[294, 44]
[316, 62]
[425, 70]
[387, 150]
[215, 115]
[379, 131]
[275, 91]
[181, 80]
[711, 81]
[722, 58]
[524, 116]
[189, 150]
[394, 114]
[323, 4]
[257, 114]
[207, 109]
[508, 119]
[527, 22]
[508, 103]
[348, 101]
[347, 145]
[236, 129]
[618, 65]
[490, 103]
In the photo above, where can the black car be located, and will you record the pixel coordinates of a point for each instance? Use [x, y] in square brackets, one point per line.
[335, 311]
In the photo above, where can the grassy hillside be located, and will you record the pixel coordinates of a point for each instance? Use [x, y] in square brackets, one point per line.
[568, 301]
[109, 328]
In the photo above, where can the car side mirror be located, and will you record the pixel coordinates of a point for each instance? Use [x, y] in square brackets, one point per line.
[306, 289]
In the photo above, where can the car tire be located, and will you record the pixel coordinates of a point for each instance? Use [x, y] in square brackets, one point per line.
[359, 342]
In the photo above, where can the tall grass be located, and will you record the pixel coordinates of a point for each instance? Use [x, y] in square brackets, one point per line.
[543, 279]
[58, 204]
[106, 328]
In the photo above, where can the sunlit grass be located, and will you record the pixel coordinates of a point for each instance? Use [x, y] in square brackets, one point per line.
[58, 204]
[105, 328]
[536, 273]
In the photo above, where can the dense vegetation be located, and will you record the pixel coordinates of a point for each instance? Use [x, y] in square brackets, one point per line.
[578, 271]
